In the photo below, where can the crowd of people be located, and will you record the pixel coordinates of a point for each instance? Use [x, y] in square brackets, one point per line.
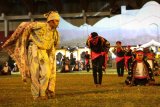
[141, 65]
[72, 64]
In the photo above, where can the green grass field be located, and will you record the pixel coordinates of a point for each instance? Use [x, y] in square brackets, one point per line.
[78, 90]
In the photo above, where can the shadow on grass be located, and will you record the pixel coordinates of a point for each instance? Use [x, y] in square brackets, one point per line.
[157, 84]
[82, 93]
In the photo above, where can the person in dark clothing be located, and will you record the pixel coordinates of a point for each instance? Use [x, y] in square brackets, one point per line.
[72, 62]
[66, 64]
[150, 58]
[119, 52]
[97, 44]
[11, 63]
[134, 53]
[87, 63]
[128, 58]
[1, 67]
[141, 72]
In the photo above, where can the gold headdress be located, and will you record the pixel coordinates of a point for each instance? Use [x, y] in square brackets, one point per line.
[52, 15]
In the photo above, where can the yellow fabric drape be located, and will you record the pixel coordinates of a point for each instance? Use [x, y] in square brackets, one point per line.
[16, 45]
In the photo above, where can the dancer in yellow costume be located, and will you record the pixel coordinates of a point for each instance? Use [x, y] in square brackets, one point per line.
[33, 46]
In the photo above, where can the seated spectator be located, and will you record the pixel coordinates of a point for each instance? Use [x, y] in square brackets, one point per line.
[66, 65]
[6, 70]
[15, 68]
[1, 67]
[76, 67]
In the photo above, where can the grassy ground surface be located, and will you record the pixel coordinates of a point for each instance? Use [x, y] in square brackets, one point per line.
[77, 90]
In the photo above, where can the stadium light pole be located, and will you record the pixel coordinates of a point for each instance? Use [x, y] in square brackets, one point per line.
[6, 24]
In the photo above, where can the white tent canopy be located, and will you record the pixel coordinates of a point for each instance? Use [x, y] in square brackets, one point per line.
[151, 43]
[131, 28]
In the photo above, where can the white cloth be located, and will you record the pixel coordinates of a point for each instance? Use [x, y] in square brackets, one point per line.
[140, 71]
[150, 63]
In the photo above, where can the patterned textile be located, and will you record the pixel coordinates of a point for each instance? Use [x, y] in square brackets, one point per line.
[37, 32]
[16, 50]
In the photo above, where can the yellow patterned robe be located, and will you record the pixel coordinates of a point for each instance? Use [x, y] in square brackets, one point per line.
[32, 46]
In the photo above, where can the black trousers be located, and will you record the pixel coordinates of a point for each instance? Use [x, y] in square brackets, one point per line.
[129, 64]
[97, 70]
[120, 68]
[87, 67]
